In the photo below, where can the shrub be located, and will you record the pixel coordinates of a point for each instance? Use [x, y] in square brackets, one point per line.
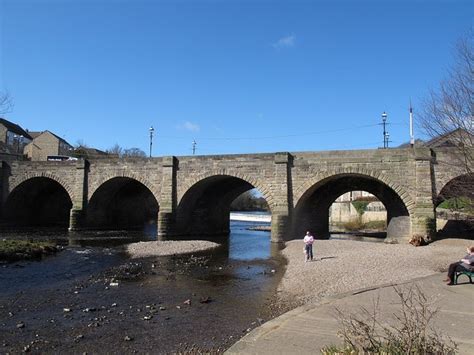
[360, 206]
[12, 250]
[353, 225]
[365, 333]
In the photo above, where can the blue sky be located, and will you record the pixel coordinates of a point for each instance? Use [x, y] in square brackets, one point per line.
[236, 76]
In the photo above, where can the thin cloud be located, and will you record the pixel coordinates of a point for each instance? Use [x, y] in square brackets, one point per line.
[285, 42]
[189, 126]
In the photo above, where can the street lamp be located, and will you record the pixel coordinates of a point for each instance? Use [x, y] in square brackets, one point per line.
[384, 120]
[151, 138]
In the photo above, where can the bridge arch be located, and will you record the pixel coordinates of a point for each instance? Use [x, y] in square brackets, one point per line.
[459, 186]
[31, 175]
[313, 199]
[204, 204]
[122, 202]
[38, 200]
[452, 219]
[125, 174]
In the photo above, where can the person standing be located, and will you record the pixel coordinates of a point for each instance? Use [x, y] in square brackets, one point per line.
[466, 263]
[308, 246]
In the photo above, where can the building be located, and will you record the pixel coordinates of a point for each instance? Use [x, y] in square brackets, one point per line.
[13, 138]
[45, 144]
[456, 138]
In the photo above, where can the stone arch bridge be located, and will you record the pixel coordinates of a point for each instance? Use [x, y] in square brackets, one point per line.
[191, 195]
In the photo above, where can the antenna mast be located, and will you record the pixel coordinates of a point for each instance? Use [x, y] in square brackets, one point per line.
[412, 137]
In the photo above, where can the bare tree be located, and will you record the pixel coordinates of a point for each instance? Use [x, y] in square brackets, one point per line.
[133, 153]
[449, 108]
[116, 150]
[6, 102]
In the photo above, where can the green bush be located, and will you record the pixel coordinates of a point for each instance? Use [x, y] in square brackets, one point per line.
[457, 204]
[360, 206]
[11, 250]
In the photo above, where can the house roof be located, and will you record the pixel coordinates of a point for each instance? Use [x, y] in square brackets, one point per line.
[12, 127]
[37, 134]
[450, 139]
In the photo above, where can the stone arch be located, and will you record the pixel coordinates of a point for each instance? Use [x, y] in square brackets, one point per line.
[451, 222]
[262, 188]
[38, 200]
[30, 175]
[204, 202]
[314, 198]
[457, 186]
[322, 176]
[125, 174]
[122, 202]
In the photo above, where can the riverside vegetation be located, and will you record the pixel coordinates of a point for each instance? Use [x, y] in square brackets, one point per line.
[12, 250]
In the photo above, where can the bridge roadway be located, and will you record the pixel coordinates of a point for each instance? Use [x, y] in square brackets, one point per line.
[191, 195]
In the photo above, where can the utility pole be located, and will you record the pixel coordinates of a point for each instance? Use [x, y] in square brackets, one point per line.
[194, 146]
[412, 136]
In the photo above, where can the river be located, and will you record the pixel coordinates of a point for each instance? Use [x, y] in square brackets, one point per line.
[91, 298]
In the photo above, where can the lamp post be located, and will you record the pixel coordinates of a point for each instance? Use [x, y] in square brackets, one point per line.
[151, 138]
[384, 121]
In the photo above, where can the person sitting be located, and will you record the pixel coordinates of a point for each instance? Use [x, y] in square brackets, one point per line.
[466, 263]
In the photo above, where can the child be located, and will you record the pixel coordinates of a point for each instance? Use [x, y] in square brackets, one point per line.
[308, 246]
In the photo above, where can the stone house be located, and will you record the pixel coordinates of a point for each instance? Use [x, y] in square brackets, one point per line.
[13, 138]
[456, 138]
[45, 144]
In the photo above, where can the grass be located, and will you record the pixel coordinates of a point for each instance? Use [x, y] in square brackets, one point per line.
[11, 250]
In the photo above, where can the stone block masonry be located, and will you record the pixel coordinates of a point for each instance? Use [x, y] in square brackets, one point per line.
[191, 195]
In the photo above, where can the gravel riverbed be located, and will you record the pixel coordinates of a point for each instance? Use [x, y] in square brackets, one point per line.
[166, 248]
[341, 266]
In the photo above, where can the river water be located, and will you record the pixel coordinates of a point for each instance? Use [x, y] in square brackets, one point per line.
[91, 298]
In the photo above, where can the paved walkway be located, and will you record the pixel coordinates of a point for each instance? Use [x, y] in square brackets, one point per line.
[307, 329]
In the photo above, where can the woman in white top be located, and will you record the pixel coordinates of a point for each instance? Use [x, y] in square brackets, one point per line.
[308, 246]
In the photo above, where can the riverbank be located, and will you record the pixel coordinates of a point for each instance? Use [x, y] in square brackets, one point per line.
[341, 266]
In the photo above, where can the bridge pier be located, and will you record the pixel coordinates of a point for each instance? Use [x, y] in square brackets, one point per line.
[281, 209]
[423, 219]
[79, 196]
[167, 208]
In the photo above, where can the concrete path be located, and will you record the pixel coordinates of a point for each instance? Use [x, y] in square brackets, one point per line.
[307, 329]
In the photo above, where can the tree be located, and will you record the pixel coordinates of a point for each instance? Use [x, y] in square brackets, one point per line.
[248, 201]
[6, 102]
[449, 108]
[116, 150]
[120, 152]
[133, 153]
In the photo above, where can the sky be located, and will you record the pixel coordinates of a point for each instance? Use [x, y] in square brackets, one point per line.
[234, 76]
